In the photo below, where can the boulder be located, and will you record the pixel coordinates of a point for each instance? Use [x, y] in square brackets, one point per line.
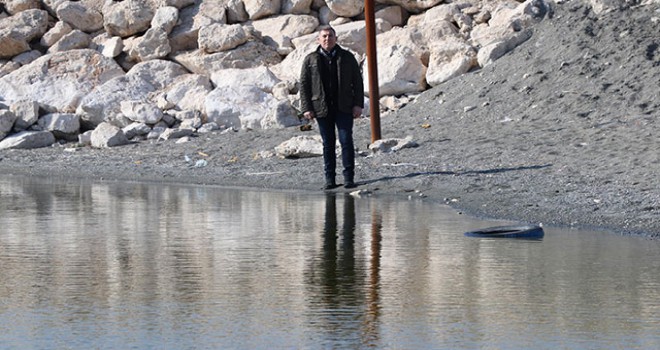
[58, 81]
[400, 71]
[55, 33]
[279, 30]
[304, 146]
[103, 103]
[63, 125]
[141, 111]
[239, 106]
[154, 44]
[7, 119]
[221, 37]
[249, 55]
[15, 6]
[127, 17]
[262, 8]
[18, 30]
[165, 18]
[450, 58]
[283, 115]
[28, 140]
[188, 92]
[260, 77]
[80, 16]
[106, 135]
[296, 7]
[26, 112]
[346, 8]
[75, 39]
[158, 73]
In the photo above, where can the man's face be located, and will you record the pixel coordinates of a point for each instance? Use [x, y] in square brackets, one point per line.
[327, 39]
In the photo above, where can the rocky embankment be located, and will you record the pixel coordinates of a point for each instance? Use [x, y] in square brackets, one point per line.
[146, 69]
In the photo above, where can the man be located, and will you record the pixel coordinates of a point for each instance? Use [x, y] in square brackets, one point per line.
[331, 91]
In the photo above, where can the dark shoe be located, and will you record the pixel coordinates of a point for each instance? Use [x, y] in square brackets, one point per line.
[330, 185]
[350, 184]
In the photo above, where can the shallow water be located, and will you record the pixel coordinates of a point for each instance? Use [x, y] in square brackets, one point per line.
[157, 266]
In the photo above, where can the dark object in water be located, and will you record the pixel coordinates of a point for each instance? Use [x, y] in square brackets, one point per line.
[523, 231]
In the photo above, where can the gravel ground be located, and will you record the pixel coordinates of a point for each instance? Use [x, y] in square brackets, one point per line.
[563, 131]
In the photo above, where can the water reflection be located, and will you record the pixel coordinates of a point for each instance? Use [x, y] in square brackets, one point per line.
[338, 279]
[150, 266]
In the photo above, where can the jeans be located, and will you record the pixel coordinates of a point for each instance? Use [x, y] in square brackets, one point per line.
[344, 124]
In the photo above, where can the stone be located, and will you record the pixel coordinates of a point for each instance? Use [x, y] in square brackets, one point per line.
[104, 102]
[392, 145]
[346, 8]
[188, 92]
[450, 58]
[26, 112]
[63, 125]
[165, 18]
[136, 129]
[112, 47]
[400, 71]
[279, 30]
[106, 135]
[55, 33]
[239, 106]
[17, 31]
[15, 6]
[153, 44]
[283, 115]
[80, 16]
[249, 55]
[296, 7]
[58, 81]
[257, 9]
[127, 17]
[76, 39]
[141, 111]
[177, 133]
[221, 37]
[261, 77]
[7, 119]
[305, 146]
[28, 140]
[158, 73]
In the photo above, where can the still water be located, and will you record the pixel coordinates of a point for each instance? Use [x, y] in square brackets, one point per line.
[118, 266]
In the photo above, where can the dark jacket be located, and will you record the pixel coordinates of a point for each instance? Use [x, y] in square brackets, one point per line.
[350, 86]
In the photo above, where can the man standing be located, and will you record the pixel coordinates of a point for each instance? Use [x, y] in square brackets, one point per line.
[331, 91]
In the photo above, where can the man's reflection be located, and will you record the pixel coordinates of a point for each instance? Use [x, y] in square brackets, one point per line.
[342, 298]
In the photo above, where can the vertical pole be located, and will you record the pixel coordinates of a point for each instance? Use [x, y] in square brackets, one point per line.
[374, 94]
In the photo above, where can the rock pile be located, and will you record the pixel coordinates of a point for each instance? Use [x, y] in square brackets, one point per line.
[107, 72]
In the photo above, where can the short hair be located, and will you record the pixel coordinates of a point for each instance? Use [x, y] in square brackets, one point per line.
[327, 28]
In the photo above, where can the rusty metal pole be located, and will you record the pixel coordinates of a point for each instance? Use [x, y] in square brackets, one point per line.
[374, 94]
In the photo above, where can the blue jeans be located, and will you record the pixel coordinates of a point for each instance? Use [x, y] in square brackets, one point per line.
[344, 124]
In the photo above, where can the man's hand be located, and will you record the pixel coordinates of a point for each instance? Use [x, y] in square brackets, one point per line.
[309, 115]
[357, 112]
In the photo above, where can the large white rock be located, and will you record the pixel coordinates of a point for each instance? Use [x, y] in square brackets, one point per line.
[26, 112]
[346, 8]
[103, 103]
[235, 10]
[165, 18]
[296, 7]
[262, 8]
[76, 39]
[249, 55]
[107, 135]
[158, 73]
[395, 15]
[449, 59]
[304, 146]
[279, 30]
[283, 115]
[127, 17]
[239, 106]
[188, 92]
[58, 81]
[221, 37]
[260, 77]
[80, 16]
[400, 71]
[152, 45]
[141, 111]
[7, 119]
[414, 6]
[15, 6]
[28, 140]
[62, 125]
[18, 30]
[54, 34]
